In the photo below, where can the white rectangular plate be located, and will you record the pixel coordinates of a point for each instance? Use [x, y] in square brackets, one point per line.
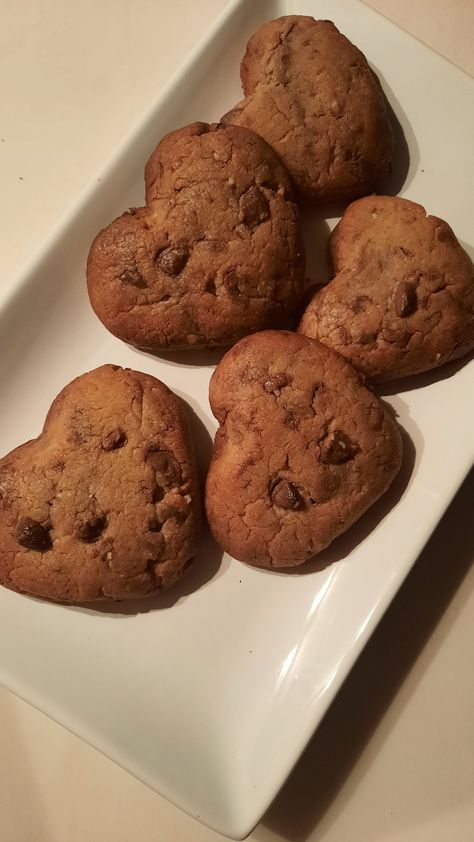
[210, 693]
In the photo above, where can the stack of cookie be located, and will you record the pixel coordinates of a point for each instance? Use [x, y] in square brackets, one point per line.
[105, 503]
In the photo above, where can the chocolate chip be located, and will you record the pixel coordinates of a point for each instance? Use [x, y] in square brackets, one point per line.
[91, 529]
[166, 465]
[404, 299]
[114, 439]
[254, 207]
[337, 448]
[275, 383]
[396, 336]
[133, 277]
[172, 260]
[360, 304]
[285, 495]
[33, 535]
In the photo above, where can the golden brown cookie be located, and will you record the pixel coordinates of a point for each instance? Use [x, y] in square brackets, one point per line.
[303, 449]
[402, 297]
[105, 502]
[217, 252]
[311, 94]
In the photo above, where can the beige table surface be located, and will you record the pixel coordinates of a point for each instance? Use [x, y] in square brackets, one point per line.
[394, 759]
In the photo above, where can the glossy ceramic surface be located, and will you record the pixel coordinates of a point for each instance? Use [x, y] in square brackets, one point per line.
[210, 692]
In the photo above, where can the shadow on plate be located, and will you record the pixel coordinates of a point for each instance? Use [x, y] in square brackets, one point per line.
[427, 378]
[208, 558]
[406, 156]
[204, 357]
[467, 247]
[343, 546]
[201, 438]
[377, 676]
[315, 235]
[204, 568]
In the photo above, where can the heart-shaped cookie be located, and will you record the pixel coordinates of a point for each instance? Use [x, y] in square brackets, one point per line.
[402, 299]
[216, 254]
[311, 94]
[105, 502]
[303, 449]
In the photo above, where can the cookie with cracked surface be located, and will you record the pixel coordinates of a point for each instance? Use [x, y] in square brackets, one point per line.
[104, 504]
[402, 298]
[215, 254]
[312, 95]
[302, 450]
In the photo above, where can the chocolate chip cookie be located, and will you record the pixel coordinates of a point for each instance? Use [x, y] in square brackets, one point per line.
[104, 504]
[312, 95]
[402, 299]
[215, 254]
[303, 449]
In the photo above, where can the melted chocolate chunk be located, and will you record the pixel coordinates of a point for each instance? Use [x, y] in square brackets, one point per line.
[285, 495]
[254, 207]
[404, 299]
[90, 530]
[275, 384]
[172, 260]
[115, 439]
[133, 277]
[337, 448]
[360, 304]
[33, 535]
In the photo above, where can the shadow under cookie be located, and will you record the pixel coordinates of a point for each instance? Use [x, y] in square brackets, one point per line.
[315, 235]
[406, 156]
[384, 666]
[205, 566]
[199, 358]
[426, 378]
